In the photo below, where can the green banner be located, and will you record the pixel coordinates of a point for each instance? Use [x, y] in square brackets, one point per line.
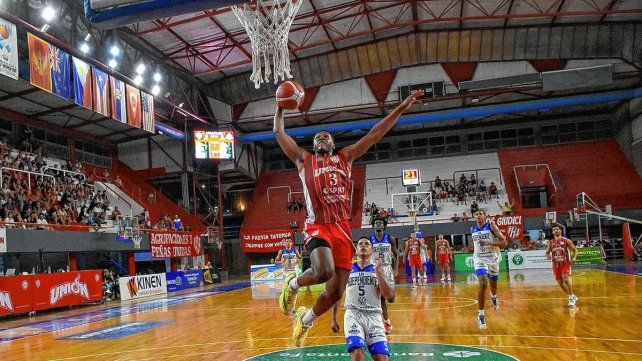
[589, 255]
[464, 262]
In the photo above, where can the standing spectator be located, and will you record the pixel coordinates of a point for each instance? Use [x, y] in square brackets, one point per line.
[115, 213]
[455, 218]
[293, 225]
[106, 175]
[463, 179]
[438, 184]
[177, 223]
[472, 181]
[507, 208]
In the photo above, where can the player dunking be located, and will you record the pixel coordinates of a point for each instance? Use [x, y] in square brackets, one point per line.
[385, 250]
[367, 288]
[558, 248]
[327, 188]
[443, 251]
[412, 252]
[487, 239]
[288, 257]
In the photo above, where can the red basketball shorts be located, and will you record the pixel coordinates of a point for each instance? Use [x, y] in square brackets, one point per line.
[561, 270]
[415, 261]
[338, 235]
[442, 259]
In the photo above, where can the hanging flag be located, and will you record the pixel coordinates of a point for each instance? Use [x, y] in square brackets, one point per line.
[101, 93]
[147, 105]
[82, 83]
[60, 75]
[39, 66]
[118, 103]
[8, 49]
[134, 116]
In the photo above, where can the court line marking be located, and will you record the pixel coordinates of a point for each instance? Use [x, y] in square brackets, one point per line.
[342, 337]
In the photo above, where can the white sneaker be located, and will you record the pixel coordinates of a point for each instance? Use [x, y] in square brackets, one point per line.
[443, 278]
[481, 322]
[575, 298]
[571, 301]
[448, 278]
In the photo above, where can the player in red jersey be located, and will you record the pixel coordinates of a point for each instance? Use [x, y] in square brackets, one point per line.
[413, 252]
[557, 250]
[443, 251]
[327, 188]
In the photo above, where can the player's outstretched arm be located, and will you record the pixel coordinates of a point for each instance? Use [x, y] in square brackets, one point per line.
[501, 240]
[356, 150]
[548, 250]
[289, 146]
[570, 245]
[384, 287]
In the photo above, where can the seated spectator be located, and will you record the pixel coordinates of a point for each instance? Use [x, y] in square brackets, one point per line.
[472, 180]
[482, 186]
[115, 213]
[464, 217]
[455, 218]
[474, 207]
[492, 190]
[106, 175]
[119, 182]
[41, 221]
[289, 207]
[294, 225]
[463, 179]
[513, 247]
[438, 184]
[507, 208]
[461, 196]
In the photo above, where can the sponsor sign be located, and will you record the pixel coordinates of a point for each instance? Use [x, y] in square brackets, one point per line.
[589, 255]
[528, 260]
[512, 227]
[398, 351]
[264, 241]
[531, 277]
[15, 295]
[8, 49]
[116, 331]
[464, 262]
[177, 281]
[266, 272]
[168, 244]
[142, 286]
[66, 289]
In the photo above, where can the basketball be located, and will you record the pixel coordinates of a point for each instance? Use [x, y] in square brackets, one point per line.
[290, 95]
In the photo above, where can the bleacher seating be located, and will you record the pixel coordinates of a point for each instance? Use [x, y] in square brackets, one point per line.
[600, 169]
[384, 179]
[271, 214]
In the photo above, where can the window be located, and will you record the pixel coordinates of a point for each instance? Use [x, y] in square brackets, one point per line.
[420, 142]
[404, 144]
[509, 133]
[436, 141]
[475, 137]
[452, 139]
[492, 135]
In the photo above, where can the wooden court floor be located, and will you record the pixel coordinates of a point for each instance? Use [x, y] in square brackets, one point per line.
[238, 322]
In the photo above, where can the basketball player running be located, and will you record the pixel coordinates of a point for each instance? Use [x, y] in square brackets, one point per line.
[328, 189]
[557, 250]
[367, 288]
[444, 254]
[385, 250]
[487, 239]
[412, 252]
[288, 257]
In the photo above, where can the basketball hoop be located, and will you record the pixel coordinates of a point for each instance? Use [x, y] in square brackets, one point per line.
[137, 239]
[268, 28]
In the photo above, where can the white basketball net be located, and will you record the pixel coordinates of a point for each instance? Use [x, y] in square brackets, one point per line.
[268, 28]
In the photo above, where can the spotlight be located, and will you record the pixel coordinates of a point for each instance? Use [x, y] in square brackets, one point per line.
[84, 47]
[156, 90]
[157, 77]
[112, 63]
[138, 80]
[140, 69]
[48, 13]
[114, 51]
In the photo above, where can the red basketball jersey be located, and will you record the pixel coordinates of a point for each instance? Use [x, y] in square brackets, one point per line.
[442, 247]
[327, 187]
[559, 252]
[414, 246]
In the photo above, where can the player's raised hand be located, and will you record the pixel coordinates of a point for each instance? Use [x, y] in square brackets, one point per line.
[411, 100]
[378, 266]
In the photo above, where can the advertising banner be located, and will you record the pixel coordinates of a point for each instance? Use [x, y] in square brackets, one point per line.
[54, 290]
[142, 286]
[512, 227]
[170, 244]
[266, 272]
[464, 262]
[589, 255]
[528, 260]
[15, 295]
[8, 49]
[264, 241]
[177, 281]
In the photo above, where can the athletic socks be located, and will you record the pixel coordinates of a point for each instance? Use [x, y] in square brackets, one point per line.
[309, 318]
[294, 285]
[481, 312]
[493, 296]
